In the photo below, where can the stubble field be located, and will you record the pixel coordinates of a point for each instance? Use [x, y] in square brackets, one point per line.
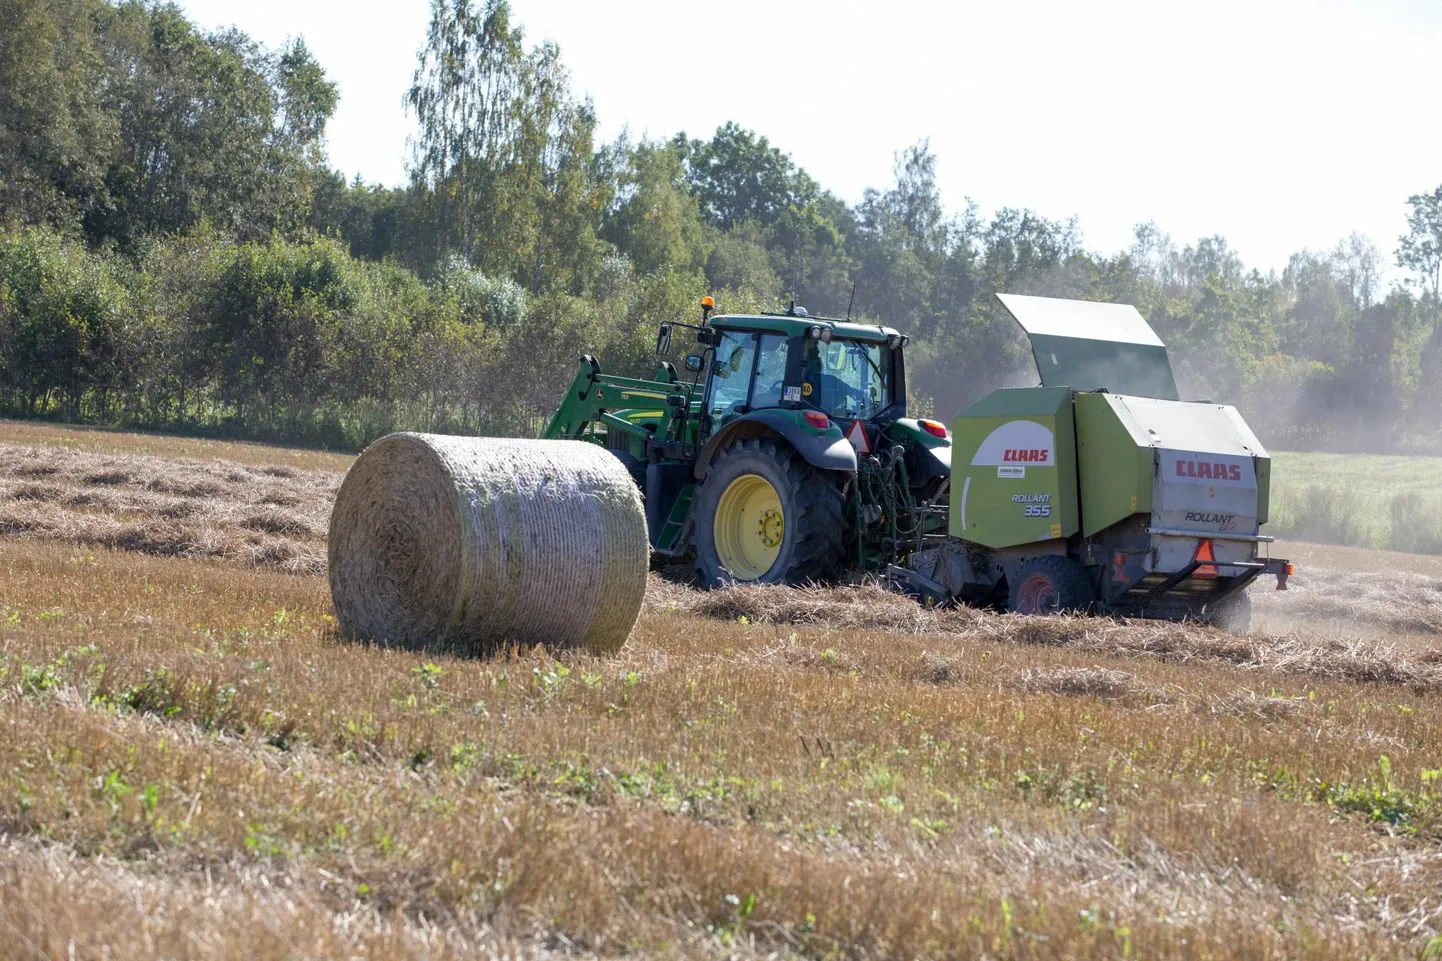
[194, 765]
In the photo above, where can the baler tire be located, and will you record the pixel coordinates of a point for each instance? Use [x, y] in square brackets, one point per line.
[1232, 614]
[811, 502]
[1050, 584]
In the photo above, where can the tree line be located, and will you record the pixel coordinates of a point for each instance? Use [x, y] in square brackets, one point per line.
[176, 252]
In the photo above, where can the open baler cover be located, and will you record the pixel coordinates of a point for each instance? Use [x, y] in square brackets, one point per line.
[1086, 346]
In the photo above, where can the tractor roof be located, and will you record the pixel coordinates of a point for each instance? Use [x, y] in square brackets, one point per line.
[1087, 345]
[796, 326]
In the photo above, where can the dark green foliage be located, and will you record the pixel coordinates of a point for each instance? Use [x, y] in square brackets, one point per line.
[738, 177]
[66, 327]
[55, 136]
[1421, 249]
[274, 323]
[174, 252]
[658, 221]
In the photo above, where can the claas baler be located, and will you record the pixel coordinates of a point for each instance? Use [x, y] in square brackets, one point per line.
[1099, 489]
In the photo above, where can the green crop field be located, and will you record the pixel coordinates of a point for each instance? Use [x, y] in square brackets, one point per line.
[1363, 500]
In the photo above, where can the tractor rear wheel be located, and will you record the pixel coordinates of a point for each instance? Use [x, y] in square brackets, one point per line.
[766, 516]
[1051, 584]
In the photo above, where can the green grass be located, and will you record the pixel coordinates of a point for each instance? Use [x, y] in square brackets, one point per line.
[1362, 500]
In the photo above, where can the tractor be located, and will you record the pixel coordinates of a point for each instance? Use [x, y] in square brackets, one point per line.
[784, 454]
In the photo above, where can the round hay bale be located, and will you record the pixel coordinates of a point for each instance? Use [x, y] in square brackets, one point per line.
[465, 544]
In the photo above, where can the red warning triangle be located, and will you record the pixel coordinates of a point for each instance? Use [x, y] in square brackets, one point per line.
[856, 433]
[1204, 553]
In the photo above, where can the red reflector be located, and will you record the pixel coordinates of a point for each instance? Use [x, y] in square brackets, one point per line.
[1291, 569]
[817, 419]
[1204, 553]
[934, 428]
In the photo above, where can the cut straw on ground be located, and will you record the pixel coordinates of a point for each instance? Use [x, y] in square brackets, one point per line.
[261, 515]
[194, 763]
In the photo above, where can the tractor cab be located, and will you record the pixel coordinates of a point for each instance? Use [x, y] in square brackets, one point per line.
[791, 362]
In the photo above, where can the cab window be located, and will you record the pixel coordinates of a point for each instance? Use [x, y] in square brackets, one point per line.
[853, 378]
[770, 371]
[731, 373]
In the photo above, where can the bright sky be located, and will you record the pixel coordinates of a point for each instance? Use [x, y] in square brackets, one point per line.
[1280, 124]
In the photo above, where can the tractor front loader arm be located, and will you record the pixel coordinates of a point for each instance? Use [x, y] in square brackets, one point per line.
[593, 395]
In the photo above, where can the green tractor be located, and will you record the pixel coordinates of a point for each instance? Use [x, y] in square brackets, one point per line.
[784, 454]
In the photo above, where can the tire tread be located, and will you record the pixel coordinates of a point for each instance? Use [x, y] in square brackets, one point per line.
[817, 500]
[1074, 587]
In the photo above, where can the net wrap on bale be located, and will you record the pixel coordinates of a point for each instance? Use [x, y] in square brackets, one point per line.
[465, 544]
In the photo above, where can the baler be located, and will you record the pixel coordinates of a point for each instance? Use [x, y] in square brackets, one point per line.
[1100, 489]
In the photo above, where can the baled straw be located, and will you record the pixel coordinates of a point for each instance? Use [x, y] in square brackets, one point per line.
[465, 544]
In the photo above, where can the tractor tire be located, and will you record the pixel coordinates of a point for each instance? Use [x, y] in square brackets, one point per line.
[1051, 584]
[765, 516]
[1232, 614]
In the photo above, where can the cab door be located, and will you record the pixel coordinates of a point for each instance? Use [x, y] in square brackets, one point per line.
[728, 388]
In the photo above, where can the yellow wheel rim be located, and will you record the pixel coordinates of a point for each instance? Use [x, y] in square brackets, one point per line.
[749, 527]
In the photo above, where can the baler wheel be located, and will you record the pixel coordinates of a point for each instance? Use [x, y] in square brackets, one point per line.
[1051, 584]
[1233, 614]
[766, 516]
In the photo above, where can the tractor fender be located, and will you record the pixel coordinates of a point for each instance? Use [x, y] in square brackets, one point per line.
[829, 450]
[928, 457]
[925, 464]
